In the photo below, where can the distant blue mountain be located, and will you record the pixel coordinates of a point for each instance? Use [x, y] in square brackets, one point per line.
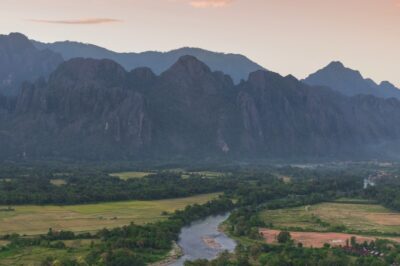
[350, 82]
[237, 66]
[20, 61]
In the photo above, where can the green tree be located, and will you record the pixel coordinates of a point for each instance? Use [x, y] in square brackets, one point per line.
[123, 257]
[353, 241]
[284, 237]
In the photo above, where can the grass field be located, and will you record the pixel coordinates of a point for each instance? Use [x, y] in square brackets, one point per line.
[184, 173]
[33, 256]
[32, 219]
[130, 175]
[369, 218]
[355, 201]
[58, 182]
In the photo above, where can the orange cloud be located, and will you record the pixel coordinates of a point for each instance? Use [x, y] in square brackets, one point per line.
[84, 21]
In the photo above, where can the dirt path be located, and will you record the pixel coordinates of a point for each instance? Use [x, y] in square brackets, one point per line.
[317, 240]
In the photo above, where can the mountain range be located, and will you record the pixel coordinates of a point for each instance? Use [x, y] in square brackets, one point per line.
[237, 66]
[94, 109]
[336, 76]
[350, 82]
[23, 59]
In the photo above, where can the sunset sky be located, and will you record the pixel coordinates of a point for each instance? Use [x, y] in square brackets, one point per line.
[287, 36]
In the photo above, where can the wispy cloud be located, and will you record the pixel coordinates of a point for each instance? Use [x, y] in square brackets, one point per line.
[210, 3]
[205, 3]
[83, 21]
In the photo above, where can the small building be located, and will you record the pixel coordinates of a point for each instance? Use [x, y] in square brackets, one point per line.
[368, 183]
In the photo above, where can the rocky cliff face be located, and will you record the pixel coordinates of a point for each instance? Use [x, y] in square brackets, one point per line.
[86, 107]
[283, 117]
[190, 106]
[21, 61]
[94, 109]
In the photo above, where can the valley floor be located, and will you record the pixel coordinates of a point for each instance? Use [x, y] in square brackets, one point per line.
[333, 223]
[317, 240]
[35, 219]
[337, 216]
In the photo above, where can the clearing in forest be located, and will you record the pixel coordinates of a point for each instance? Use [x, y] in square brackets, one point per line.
[335, 216]
[130, 175]
[317, 240]
[34, 219]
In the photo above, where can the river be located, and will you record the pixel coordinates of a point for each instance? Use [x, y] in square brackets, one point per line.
[202, 240]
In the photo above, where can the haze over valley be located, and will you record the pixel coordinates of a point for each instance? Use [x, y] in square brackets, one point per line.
[199, 133]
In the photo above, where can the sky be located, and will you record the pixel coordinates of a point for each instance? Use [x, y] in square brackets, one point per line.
[287, 36]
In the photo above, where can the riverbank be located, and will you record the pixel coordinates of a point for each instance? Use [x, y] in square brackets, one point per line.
[204, 240]
[172, 256]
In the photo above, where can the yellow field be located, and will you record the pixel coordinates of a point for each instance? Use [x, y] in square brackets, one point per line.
[130, 175]
[58, 182]
[361, 217]
[32, 219]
